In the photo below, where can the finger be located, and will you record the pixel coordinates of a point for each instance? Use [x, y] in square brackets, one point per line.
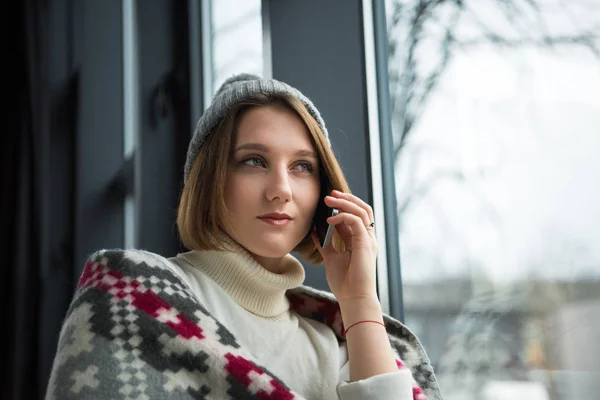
[346, 234]
[353, 221]
[344, 231]
[347, 206]
[356, 200]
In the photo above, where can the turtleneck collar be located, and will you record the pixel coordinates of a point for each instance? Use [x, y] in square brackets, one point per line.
[253, 287]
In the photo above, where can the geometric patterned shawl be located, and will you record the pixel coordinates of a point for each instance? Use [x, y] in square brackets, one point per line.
[134, 330]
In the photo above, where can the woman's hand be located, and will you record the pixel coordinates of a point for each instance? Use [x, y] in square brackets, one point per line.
[352, 274]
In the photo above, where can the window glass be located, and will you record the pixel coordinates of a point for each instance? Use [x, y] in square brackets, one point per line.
[236, 39]
[496, 124]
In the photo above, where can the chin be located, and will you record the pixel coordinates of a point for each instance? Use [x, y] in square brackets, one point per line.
[268, 249]
[269, 246]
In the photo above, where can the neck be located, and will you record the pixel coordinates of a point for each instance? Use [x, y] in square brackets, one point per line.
[257, 284]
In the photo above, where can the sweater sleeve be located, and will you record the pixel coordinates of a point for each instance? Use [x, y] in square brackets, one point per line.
[398, 385]
[394, 385]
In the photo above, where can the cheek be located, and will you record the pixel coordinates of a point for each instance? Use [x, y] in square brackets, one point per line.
[239, 193]
[310, 197]
[231, 193]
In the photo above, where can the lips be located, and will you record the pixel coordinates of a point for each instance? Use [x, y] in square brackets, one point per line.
[276, 219]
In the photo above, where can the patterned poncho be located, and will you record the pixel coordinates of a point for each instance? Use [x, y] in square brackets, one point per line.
[134, 330]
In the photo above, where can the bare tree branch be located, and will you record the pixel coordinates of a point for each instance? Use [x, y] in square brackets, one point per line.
[409, 91]
[411, 85]
[434, 28]
[586, 40]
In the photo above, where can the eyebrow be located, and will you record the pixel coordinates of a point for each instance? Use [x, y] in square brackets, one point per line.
[261, 147]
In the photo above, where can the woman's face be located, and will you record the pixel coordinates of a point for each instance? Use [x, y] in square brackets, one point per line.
[272, 187]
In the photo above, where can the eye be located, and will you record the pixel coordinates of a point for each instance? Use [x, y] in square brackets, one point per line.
[254, 161]
[304, 166]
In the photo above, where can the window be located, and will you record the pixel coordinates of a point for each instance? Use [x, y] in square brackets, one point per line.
[495, 118]
[236, 39]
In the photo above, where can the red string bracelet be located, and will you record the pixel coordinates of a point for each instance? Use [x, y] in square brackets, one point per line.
[360, 322]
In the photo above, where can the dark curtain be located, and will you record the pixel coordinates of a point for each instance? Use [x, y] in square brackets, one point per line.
[21, 199]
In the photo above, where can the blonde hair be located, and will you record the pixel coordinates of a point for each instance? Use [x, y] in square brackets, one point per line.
[202, 213]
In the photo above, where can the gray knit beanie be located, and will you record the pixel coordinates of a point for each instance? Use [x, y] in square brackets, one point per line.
[233, 90]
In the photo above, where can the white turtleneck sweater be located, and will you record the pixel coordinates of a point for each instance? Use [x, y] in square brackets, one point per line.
[302, 352]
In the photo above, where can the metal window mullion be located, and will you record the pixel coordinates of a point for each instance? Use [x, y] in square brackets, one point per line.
[386, 158]
[375, 154]
[199, 54]
[130, 115]
[208, 75]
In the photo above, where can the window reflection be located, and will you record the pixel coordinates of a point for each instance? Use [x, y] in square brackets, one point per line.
[495, 123]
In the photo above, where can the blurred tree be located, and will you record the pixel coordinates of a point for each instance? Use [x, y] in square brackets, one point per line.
[425, 34]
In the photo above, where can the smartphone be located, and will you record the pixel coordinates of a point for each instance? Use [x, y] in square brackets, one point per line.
[330, 228]
[324, 230]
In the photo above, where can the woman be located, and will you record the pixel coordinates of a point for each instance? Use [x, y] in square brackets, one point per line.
[231, 318]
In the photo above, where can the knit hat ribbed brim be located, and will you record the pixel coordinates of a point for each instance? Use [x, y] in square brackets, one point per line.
[232, 91]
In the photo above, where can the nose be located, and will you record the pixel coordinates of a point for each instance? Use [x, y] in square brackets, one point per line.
[279, 186]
